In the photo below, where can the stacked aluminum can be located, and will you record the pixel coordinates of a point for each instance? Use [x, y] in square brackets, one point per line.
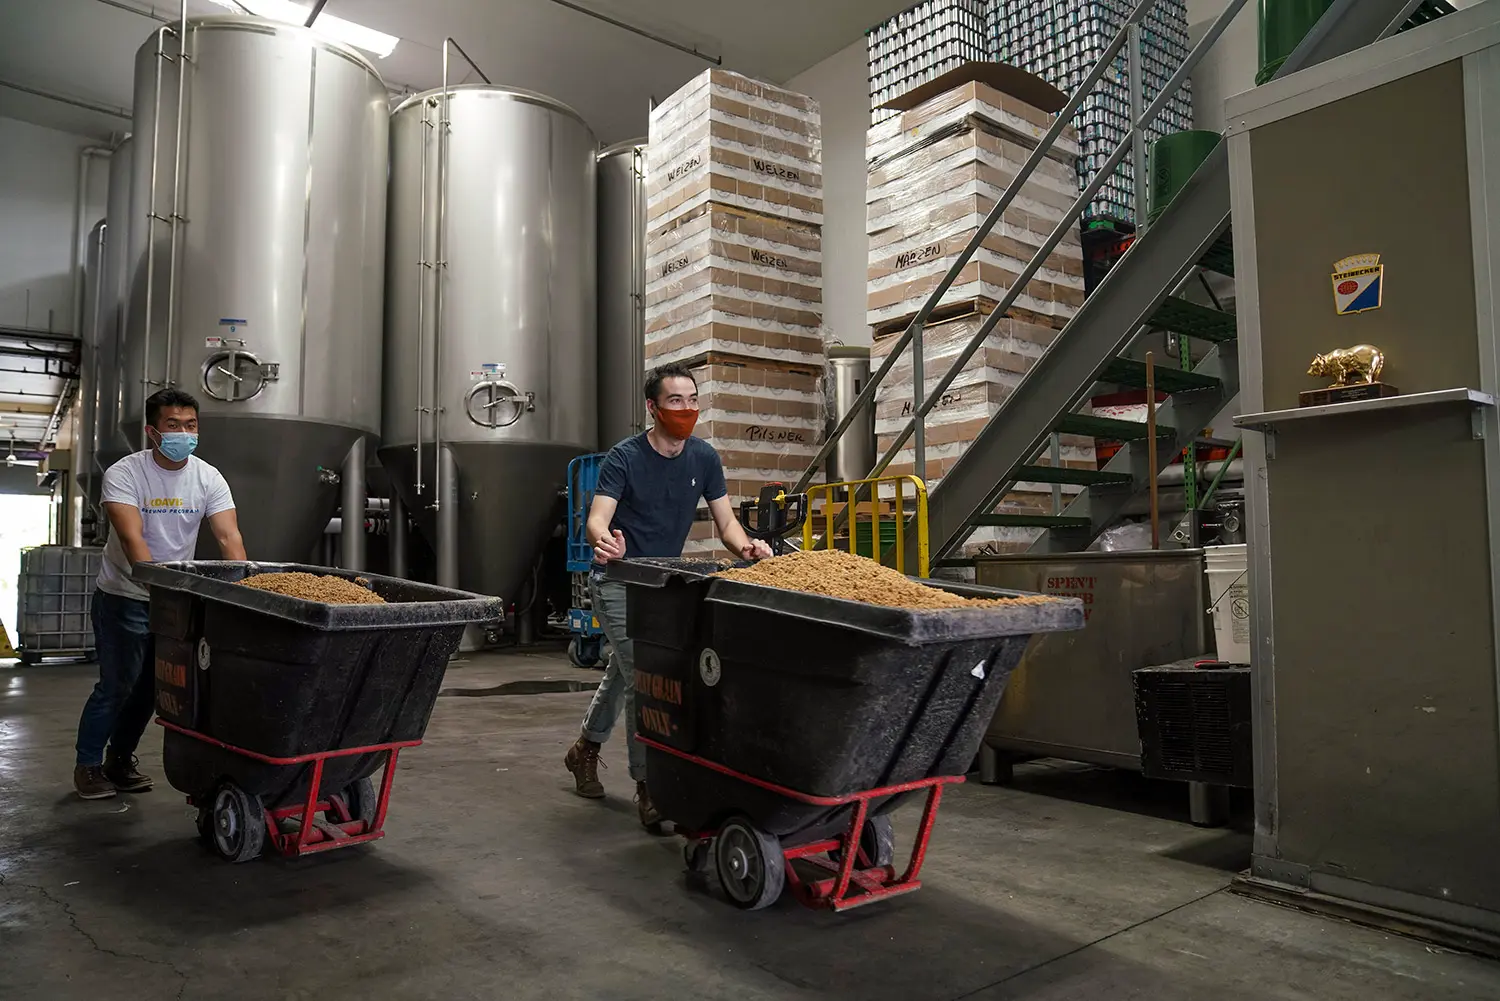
[922, 44]
[1059, 41]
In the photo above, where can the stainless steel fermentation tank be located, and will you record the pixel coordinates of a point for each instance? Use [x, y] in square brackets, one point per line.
[490, 322]
[622, 291]
[257, 260]
[101, 443]
[94, 299]
[854, 455]
[112, 444]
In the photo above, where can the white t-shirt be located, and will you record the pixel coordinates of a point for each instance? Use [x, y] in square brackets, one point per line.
[172, 502]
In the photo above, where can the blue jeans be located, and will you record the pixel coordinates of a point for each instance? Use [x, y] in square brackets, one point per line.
[616, 693]
[123, 700]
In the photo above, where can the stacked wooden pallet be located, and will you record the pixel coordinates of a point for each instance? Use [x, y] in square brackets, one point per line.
[936, 171]
[734, 271]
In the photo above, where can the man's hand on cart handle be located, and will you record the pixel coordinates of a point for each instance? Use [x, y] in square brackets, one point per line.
[610, 547]
[756, 550]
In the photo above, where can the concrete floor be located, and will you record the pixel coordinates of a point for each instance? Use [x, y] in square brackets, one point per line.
[496, 882]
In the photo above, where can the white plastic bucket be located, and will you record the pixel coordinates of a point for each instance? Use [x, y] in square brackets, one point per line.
[1229, 598]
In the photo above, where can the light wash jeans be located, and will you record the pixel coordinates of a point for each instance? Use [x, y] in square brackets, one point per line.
[616, 693]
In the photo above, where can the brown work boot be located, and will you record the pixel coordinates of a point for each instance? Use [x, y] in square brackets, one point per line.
[90, 782]
[650, 816]
[583, 762]
[122, 772]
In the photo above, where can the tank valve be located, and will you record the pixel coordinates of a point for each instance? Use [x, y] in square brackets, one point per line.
[487, 398]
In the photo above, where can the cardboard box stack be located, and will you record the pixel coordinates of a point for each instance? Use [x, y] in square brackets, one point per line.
[734, 272]
[936, 171]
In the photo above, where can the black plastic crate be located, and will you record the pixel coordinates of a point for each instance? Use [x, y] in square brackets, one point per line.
[815, 694]
[282, 677]
[1195, 722]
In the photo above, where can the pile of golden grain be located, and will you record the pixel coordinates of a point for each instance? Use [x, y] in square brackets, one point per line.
[314, 587]
[838, 574]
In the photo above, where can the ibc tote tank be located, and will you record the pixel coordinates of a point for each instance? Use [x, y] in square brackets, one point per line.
[271, 192]
[490, 322]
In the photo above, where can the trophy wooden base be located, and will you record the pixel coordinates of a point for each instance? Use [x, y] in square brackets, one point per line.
[1346, 394]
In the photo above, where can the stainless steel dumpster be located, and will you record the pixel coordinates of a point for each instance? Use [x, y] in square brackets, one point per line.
[1072, 697]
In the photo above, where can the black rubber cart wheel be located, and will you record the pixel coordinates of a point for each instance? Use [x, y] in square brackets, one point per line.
[585, 651]
[752, 869]
[695, 855]
[206, 826]
[239, 824]
[363, 801]
[877, 840]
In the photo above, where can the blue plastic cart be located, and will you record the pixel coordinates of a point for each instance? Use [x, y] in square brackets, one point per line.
[586, 647]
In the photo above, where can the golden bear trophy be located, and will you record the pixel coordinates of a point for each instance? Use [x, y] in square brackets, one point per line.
[1356, 375]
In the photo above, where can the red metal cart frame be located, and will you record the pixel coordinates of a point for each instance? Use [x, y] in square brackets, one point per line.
[314, 835]
[874, 882]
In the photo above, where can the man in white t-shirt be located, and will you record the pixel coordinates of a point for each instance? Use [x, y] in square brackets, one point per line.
[155, 501]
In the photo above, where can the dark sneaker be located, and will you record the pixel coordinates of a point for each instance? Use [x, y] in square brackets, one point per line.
[124, 775]
[583, 761]
[650, 817]
[90, 782]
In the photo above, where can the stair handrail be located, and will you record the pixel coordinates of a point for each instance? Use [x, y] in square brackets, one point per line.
[1069, 219]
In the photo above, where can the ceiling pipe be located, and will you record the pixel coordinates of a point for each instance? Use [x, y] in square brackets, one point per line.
[77, 102]
[152, 14]
[317, 9]
[690, 50]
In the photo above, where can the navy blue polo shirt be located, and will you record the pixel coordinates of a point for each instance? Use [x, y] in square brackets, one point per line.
[658, 496]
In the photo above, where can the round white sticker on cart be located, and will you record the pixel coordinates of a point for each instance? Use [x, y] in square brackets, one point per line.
[203, 654]
[709, 668]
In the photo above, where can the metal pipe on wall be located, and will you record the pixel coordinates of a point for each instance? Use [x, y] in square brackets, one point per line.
[447, 518]
[399, 540]
[352, 509]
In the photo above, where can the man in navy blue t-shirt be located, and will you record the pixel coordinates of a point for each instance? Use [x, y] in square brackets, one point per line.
[649, 488]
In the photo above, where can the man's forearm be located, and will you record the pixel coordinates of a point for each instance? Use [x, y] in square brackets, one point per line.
[232, 547]
[597, 530]
[136, 551]
[734, 537]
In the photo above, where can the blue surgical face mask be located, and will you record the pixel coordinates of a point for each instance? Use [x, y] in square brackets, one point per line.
[176, 445]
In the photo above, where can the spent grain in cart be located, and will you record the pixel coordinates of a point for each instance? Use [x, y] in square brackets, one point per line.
[316, 587]
[837, 574]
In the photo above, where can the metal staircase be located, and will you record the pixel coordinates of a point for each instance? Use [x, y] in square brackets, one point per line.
[1136, 297]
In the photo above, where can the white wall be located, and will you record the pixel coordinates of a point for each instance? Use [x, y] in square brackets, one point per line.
[1230, 66]
[38, 186]
[840, 84]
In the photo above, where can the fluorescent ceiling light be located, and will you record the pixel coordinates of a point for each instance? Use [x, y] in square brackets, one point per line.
[336, 28]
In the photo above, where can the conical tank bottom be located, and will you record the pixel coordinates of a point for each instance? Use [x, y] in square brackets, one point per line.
[508, 505]
[272, 465]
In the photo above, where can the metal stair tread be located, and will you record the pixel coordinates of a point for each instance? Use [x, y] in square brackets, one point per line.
[1108, 428]
[1129, 372]
[1055, 521]
[1079, 477]
[1220, 257]
[1192, 320]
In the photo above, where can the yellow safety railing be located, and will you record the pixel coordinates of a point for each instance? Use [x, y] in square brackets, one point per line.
[827, 493]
